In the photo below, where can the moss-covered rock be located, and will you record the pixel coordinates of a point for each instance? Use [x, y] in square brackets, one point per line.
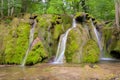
[107, 40]
[17, 44]
[73, 45]
[57, 31]
[91, 52]
[112, 41]
[76, 39]
[36, 54]
[49, 29]
[117, 47]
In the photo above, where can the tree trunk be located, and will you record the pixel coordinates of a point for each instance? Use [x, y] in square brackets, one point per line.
[12, 8]
[117, 14]
[24, 6]
[2, 3]
[8, 7]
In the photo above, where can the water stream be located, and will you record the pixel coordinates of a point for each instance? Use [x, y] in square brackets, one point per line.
[97, 34]
[62, 45]
[98, 38]
[31, 36]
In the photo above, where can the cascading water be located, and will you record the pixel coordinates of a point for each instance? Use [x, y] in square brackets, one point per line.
[100, 44]
[31, 36]
[30, 44]
[98, 38]
[62, 45]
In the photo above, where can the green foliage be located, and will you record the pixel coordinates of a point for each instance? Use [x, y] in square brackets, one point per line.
[102, 9]
[117, 47]
[91, 52]
[7, 21]
[55, 7]
[37, 54]
[43, 23]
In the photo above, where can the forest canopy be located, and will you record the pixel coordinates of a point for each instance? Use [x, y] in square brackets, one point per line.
[101, 9]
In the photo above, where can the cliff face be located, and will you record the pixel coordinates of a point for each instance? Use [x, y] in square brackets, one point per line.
[82, 43]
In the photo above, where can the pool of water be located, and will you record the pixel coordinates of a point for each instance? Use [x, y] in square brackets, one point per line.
[99, 71]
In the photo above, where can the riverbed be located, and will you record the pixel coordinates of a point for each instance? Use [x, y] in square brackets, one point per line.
[46, 71]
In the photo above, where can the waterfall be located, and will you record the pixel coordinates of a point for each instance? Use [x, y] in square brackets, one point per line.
[97, 34]
[43, 1]
[62, 45]
[30, 44]
[98, 37]
[31, 36]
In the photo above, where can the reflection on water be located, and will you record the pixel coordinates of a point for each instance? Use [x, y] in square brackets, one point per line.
[54, 72]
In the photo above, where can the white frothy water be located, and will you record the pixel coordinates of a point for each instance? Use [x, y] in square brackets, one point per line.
[30, 44]
[108, 59]
[43, 1]
[59, 59]
[97, 37]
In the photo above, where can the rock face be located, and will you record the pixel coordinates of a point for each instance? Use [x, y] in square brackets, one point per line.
[82, 45]
[37, 53]
[14, 42]
[111, 37]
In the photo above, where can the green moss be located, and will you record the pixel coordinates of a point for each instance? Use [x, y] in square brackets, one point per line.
[42, 22]
[37, 54]
[17, 46]
[73, 44]
[107, 33]
[91, 52]
[117, 46]
[78, 14]
[107, 37]
[57, 31]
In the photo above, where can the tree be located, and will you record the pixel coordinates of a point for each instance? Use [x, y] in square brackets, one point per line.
[2, 6]
[24, 6]
[56, 7]
[101, 9]
[84, 6]
[117, 14]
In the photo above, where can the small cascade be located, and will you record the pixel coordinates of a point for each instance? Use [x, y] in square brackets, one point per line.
[97, 34]
[31, 36]
[102, 57]
[62, 45]
[30, 44]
